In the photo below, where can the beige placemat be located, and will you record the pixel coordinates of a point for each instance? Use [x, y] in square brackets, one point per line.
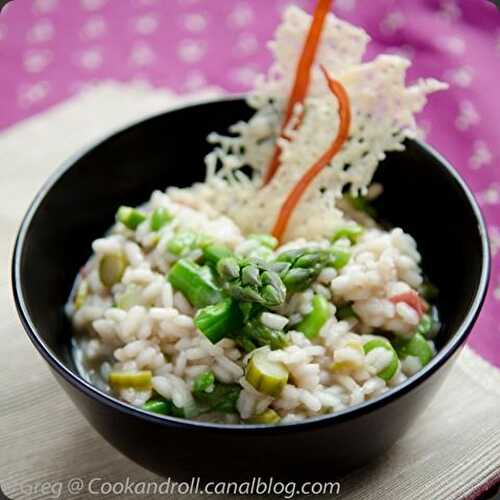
[44, 442]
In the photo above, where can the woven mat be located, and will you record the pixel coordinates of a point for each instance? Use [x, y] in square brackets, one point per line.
[453, 451]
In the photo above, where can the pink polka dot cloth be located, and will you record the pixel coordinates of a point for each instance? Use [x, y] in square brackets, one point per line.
[49, 49]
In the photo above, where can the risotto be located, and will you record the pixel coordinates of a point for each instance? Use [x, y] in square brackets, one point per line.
[274, 296]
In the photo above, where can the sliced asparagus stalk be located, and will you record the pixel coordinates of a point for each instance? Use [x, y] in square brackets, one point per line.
[111, 269]
[311, 325]
[340, 257]
[159, 218]
[182, 243]
[137, 380]
[268, 377]
[130, 217]
[219, 320]
[193, 281]
[416, 346]
[352, 232]
[268, 417]
[389, 371]
[213, 253]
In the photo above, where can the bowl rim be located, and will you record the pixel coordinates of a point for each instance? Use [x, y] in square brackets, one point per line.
[78, 382]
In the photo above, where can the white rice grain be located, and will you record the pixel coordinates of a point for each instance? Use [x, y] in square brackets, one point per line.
[130, 326]
[115, 314]
[410, 365]
[133, 253]
[110, 245]
[407, 313]
[181, 303]
[139, 276]
[273, 321]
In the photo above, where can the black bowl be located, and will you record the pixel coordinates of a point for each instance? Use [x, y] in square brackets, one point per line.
[423, 195]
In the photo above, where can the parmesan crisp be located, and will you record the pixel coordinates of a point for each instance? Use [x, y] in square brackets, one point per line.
[382, 108]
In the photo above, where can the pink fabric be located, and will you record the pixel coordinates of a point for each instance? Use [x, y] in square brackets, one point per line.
[51, 48]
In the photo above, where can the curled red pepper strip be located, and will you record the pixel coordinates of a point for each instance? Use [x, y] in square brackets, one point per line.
[413, 299]
[302, 77]
[343, 132]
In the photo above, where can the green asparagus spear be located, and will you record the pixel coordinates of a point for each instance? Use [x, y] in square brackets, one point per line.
[213, 253]
[250, 310]
[228, 268]
[219, 320]
[305, 264]
[254, 334]
[251, 281]
[195, 283]
[247, 344]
